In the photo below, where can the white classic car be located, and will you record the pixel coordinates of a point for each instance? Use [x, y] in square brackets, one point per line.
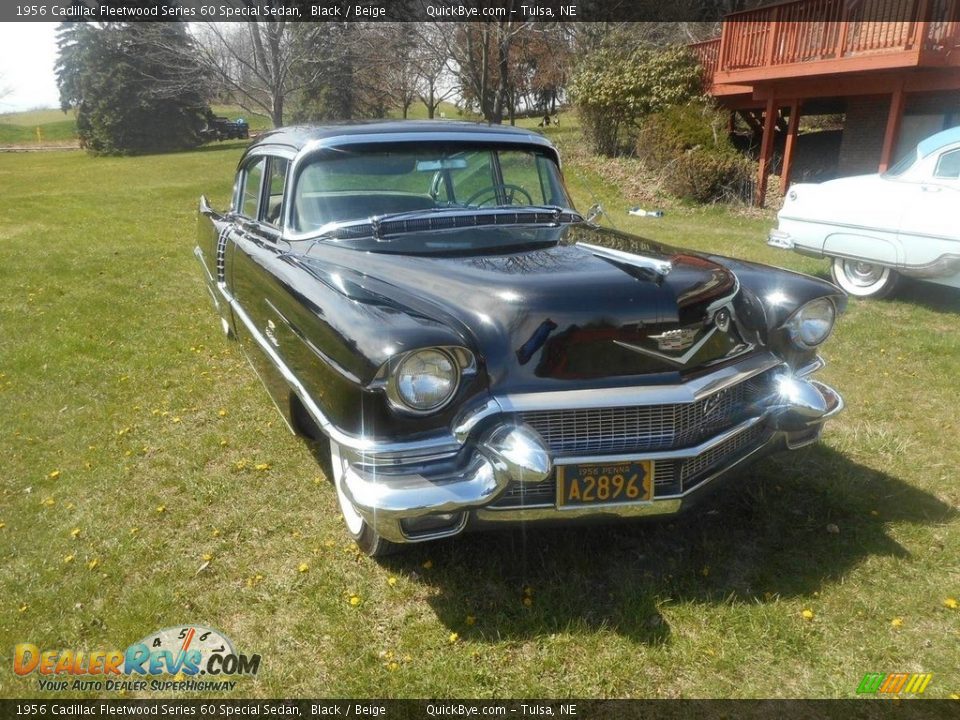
[877, 227]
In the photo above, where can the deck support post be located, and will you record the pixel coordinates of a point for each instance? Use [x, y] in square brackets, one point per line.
[766, 150]
[790, 145]
[893, 127]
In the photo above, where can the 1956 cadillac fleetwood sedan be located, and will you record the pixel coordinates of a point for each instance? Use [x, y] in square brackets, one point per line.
[425, 297]
[877, 227]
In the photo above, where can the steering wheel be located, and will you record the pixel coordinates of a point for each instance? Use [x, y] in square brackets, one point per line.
[491, 190]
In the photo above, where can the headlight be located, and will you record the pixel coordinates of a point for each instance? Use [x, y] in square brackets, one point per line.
[425, 380]
[812, 324]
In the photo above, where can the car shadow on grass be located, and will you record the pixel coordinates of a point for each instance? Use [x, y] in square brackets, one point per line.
[792, 525]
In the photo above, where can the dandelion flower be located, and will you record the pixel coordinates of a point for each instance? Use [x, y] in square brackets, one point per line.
[224, 443]
[161, 509]
[23, 607]
[216, 532]
[471, 620]
[392, 581]
[93, 564]
[303, 567]
[528, 601]
[428, 564]
[207, 557]
[75, 533]
[260, 467]
[69, 559]
[54, 475]
[48, 501]
[807, 614]
[393, 666]
[454, 637]
[2, 525]
[355, 600]
[897, 622]
[134, 530]
[221, 412]
[950, 603]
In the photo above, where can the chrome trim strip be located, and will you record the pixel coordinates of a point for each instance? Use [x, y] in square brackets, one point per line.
[871, 228]
[817, 364]
[688, 392]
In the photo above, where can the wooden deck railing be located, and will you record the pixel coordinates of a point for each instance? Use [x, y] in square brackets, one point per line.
[801, 31]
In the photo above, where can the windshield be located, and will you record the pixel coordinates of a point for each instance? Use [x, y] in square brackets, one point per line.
[358, 184]
[903, 164]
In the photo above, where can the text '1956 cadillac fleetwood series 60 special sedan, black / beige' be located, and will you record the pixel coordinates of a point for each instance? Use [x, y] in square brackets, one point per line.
[424, 297]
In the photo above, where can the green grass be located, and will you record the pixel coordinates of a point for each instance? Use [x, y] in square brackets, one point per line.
[112, 376]
[37, 127]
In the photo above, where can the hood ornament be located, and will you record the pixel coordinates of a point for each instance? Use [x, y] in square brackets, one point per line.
[660, 267]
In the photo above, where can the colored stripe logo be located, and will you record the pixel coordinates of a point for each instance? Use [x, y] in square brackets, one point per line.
[894, 683]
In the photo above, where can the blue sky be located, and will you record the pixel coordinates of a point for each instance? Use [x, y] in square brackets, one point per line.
[28, 51]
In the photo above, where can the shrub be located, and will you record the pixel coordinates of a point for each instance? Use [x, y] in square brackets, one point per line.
[706, 175]
[663, 136]
[614, 88]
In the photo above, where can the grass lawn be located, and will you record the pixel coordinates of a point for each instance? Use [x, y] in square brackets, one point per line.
[147, 482]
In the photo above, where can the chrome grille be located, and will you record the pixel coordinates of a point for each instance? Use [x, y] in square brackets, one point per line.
[693, 470]
[670, 477]
[645, 428]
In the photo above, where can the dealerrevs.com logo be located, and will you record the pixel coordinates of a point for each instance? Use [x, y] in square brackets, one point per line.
[178, 658]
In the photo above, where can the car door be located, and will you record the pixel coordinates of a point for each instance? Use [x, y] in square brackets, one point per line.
[930, 226]
[257, 271]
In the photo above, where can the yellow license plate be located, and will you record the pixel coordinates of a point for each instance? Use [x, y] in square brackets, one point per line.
[604, 483]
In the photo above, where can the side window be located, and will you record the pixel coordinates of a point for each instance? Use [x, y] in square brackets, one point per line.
[948, 166]
[250, 198]
[276, 181]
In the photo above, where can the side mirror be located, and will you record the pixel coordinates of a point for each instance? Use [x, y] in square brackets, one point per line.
[595, 211]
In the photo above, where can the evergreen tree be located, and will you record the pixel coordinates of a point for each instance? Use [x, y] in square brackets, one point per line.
[136, 87]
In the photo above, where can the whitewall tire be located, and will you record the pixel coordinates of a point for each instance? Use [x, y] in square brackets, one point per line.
[863, 279]
[367, 539]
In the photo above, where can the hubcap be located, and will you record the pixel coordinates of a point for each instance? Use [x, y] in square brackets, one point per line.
[863, 274]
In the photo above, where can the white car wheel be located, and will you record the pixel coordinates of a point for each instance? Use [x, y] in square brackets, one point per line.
[863, 279]
[367, 539]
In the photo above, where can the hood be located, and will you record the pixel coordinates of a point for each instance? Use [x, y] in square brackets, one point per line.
[545, 306]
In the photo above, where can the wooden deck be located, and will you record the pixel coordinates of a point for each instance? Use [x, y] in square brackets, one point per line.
[810, 38]
[790, 53]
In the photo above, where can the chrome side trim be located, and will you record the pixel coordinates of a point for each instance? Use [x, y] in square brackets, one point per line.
[688, 392]
[817, 364]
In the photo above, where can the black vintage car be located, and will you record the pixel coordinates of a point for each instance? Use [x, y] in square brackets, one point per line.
[221, 128]
[425, 298]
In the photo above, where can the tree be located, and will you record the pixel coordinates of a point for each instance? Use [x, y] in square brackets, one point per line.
[136, 87]
[260, 64]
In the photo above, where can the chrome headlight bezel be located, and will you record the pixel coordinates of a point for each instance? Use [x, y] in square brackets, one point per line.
[802, 325]
[460, 360]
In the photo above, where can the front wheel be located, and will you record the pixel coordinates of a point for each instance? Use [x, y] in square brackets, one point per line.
[863, 279]
[368, 540]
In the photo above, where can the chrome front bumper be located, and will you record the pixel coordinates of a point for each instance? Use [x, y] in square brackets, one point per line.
[416, 503]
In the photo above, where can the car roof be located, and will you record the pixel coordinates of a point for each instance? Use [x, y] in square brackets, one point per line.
[298, 136]
[941, 139]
